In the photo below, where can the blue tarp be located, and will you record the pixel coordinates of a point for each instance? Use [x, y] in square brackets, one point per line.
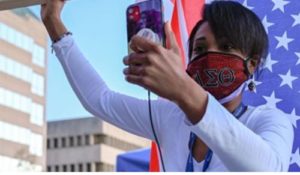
[134, 161]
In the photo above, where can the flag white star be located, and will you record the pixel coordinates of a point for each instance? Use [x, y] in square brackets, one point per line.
[257, 83]
[279, 4]
[283, 41]
[287, 79]
[296, 19]
[267, 24]
[272, 100]
[270, 63]
[298, 55]
[294, 118]
[246, 5]
[295, 158]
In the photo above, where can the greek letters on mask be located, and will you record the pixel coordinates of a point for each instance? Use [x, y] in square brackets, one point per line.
[218, 73]
[224, 77]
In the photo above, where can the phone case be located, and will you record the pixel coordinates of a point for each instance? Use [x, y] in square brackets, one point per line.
[146, 20]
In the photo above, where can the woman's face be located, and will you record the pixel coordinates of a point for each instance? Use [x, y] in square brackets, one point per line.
[205, 41]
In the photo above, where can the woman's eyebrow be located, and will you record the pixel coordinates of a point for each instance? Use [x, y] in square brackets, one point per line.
[200, 39]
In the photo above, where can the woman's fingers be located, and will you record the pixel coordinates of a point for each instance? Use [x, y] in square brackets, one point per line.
[140, 44]
[142, 81]
[171, 39]
[136, 59]
[152, 66]
[134, 79]
[134, 70]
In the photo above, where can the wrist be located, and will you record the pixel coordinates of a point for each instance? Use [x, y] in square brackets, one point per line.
[55, 27]
[193, 101]
[183, 95]
[52, 19]
[61, 37]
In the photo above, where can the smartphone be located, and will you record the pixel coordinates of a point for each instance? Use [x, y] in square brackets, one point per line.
[146, 19]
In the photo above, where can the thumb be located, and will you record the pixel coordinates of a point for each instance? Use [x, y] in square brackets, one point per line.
[171, 38]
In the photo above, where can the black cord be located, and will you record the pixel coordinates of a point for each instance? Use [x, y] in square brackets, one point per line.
[154, 133]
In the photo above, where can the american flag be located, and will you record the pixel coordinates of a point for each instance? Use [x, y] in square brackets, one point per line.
[278, 84]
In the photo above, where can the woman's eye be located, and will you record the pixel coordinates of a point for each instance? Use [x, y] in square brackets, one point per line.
[200, 49]
[227, 47]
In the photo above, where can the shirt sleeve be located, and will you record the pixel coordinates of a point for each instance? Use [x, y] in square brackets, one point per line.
[125, 112]
[266, 146]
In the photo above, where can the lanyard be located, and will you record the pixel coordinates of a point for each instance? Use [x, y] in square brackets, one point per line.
[240, 110]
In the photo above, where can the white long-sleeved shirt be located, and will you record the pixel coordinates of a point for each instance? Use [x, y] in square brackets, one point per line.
[261, 140]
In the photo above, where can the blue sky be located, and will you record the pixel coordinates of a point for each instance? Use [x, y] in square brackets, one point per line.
[99, 28]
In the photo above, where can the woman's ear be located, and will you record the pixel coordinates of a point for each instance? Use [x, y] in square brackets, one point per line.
[252, 64]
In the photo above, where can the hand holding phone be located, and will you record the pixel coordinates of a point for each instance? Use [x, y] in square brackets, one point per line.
[145, 19]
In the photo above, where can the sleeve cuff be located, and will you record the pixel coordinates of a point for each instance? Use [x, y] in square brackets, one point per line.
[212, 104]
[65, 42]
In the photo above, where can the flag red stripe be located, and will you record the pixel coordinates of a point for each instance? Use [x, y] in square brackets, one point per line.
[192, 12]
[154, 161]
[175, 22]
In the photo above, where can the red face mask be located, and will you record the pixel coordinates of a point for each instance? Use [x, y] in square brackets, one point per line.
[218, 73]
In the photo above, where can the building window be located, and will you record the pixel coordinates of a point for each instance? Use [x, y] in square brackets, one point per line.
[18, 70]
[22, 135]
[37, 114]
[88, 167]
[56, 168]
[16, 165]
[72, 168]
[16, 38]
[78, 140]
[49, 169]
[99, 138]
[99, 167]
[37, 84]
[102, 139]
[63, 142]
[80, 168]
[48, 144]
[55, 143]
[65, 168]
[36, 144]
[87, 140]
[15, 101]
[104, 167]
[71, 141]
[38, 55]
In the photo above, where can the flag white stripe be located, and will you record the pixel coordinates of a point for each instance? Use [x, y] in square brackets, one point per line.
[183, 30]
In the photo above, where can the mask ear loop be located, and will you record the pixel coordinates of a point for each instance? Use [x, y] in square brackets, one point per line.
[251, 85]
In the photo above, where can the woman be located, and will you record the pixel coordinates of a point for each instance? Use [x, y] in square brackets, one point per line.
[202, 124]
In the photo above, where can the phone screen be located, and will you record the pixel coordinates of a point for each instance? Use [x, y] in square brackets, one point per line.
[146, 20]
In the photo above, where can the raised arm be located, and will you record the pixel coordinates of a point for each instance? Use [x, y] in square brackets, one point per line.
[125, 112]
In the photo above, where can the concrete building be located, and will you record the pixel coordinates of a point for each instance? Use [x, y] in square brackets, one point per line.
[23, 43]
[88, 145]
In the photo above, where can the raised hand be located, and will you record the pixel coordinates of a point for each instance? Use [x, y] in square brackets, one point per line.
[156, 68]
[51, 16]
